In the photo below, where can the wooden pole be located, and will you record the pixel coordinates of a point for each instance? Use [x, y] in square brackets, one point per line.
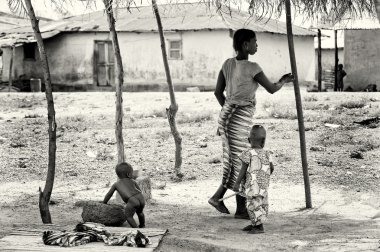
[119, 82]
[10, 78]
[377, 3]
[319, 61]
[301, 127]
[173, 108]
[46, 193]
[336, 61]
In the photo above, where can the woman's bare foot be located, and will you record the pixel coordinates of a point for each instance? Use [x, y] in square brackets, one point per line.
[257, 229]
[248, 228]
[219, 205]
[244, 215]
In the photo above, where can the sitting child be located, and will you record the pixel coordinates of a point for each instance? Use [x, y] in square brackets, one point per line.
[130, 192]
[256, 169]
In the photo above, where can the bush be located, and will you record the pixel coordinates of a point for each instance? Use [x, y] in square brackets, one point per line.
[353, 104]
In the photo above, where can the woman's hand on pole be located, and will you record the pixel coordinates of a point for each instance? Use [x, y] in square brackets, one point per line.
[286, 78]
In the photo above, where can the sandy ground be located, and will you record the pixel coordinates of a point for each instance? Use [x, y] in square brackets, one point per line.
[338, 221]
[345, 191]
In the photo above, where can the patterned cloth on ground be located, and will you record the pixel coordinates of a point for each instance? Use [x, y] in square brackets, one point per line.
[92, 232]
[234, 124]
[255, 188]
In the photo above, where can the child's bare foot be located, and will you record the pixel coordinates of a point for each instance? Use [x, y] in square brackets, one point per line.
[259, 229]
[219, 205]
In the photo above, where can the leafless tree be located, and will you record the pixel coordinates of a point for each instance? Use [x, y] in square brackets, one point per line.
[119, 81]
[173, 108]
[44, 198]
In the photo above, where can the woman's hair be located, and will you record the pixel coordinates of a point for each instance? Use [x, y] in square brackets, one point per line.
[124, 170]
[241, 36]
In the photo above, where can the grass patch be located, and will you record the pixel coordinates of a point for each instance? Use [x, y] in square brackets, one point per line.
[315, 106]
[104, 155]
[280, 111]
[32, 116]
[341, 137]
[195, 117]
[334, 119]
[76, 123]
[163, 134]
[310, 98]
[355, 104]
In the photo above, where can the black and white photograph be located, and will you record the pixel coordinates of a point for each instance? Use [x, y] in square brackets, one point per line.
[196, 126]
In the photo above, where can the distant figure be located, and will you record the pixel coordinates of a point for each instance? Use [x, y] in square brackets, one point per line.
[131, 194]
[339, 76]
[240, 78]
[255, 171]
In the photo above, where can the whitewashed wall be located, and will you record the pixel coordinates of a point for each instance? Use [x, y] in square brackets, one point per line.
[273, 56]
[362, 58]
[71, 57]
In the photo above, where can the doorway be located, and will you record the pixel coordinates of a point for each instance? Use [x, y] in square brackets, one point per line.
[104, 67]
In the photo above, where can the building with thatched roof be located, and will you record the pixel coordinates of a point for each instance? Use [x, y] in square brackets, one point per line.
[198, 40]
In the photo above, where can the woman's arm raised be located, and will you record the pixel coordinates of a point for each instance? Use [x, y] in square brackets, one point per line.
[219, 89]
[272, 88]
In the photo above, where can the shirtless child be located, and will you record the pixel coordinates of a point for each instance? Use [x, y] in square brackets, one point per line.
[131, 194]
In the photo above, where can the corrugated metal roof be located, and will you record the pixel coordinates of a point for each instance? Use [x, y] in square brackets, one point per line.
[9, 21]
[175, 17]
[183, 17]
[362, 24]
[352, 24]
[16, 39]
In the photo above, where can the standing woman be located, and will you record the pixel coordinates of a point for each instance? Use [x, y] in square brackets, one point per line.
[240, 79]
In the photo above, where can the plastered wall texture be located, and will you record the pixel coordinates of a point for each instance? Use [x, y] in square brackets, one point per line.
[362, 58]
[71, 57]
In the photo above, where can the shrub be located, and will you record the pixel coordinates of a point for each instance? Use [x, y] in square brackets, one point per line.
[353, 104]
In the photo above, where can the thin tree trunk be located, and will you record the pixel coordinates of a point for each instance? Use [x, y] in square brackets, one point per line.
[119, 82]
[46, 193]
[301, 127]
[173, 108]
[319, 61]
[10, 77]
[336, 61]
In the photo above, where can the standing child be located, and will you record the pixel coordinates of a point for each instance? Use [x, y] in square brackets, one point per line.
[131, 194]
[339, 76]
[256, 169]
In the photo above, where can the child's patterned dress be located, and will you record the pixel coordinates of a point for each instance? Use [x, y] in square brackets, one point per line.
[255, 188]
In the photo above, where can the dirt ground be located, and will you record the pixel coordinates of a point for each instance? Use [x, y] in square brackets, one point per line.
[343, 164]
